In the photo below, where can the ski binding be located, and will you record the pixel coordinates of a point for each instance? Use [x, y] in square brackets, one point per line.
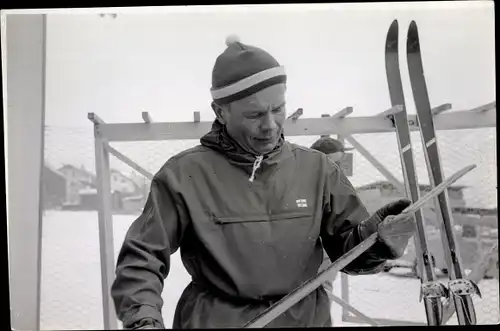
[433, 290]
[461, 287]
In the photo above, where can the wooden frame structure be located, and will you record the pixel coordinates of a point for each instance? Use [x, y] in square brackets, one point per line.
[338, 124]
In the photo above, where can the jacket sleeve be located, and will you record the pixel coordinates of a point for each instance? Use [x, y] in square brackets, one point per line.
[144, 259]
[342, 212]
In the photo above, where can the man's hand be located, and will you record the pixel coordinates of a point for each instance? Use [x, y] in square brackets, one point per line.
[147, 327]
[395, 234]
[147, 324]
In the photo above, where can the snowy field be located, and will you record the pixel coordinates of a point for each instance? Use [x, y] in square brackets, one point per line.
[71, 283]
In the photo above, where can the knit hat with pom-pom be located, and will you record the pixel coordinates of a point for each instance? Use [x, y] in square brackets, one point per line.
[242, 70]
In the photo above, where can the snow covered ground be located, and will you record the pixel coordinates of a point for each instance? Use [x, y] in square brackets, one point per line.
[71, 281]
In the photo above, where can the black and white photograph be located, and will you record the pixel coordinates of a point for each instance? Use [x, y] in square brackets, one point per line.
[251, 166]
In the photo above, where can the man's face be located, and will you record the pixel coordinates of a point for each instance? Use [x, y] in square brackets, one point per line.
[256, 122]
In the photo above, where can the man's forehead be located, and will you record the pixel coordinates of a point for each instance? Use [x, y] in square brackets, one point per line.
[268, 98]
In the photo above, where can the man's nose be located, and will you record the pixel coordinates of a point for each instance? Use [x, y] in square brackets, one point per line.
[269, 122]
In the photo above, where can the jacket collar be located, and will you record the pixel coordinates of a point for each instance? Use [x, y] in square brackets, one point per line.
[219, 140]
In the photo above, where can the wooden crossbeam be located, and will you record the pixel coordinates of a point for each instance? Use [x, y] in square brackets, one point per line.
[363, 151]
[128, 162]
[379, 166]
[352, 309]
[456, 120]
[486, 107]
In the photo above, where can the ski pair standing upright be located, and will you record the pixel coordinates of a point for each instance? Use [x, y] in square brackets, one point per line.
[432, 291]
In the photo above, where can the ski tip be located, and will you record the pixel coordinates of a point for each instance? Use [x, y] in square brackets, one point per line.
[462, 172]
[391, 42]
[412, 41]
[470, 167]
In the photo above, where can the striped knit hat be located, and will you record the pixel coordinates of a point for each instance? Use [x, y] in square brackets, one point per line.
[242, 70]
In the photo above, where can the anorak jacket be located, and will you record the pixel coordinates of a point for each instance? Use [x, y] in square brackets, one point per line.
[246, 244]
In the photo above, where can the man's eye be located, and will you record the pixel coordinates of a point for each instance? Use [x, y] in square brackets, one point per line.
[253, 116]
[278, 110]
[257, 114]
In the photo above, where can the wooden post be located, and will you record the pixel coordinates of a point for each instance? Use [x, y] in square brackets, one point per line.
[296, 114]
[325, 135]
[146, 117]
[196, 116]
[341, 114]
[24, 62]
[439, 109]
[105, 229]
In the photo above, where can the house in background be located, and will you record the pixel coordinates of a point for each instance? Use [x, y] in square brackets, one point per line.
[455, 194]
[129, 195]
[77, 179]
[135, 204]
[82, 191]
[142, 182]
[123, 184]
[53, 188]
[89, 200]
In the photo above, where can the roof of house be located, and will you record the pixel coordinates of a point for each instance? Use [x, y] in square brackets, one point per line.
[114, 171]
[131, 180]
[81, 170]
[475, 211]
[91, 191]
[53, 169]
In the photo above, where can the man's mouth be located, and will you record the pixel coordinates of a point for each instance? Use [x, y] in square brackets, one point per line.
[265, 139]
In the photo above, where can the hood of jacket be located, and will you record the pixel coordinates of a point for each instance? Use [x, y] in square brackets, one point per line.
[219, 140]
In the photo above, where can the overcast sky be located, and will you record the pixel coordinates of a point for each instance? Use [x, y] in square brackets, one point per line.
[161, 60]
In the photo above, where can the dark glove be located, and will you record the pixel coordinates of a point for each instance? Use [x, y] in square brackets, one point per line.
[147, 324]
[395, 235]
[147, 327]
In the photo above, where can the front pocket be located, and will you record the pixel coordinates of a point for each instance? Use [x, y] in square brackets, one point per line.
[289, 216]
[264, 254]
[260, 218]
[246, 219]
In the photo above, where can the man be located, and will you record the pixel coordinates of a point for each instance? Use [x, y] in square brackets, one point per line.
[333, 148]
[250, 212]
[335, 151]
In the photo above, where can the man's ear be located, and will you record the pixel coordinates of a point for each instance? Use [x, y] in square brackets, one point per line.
[218, 110]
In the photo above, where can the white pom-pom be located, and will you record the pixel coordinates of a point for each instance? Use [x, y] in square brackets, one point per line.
[231, 39]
